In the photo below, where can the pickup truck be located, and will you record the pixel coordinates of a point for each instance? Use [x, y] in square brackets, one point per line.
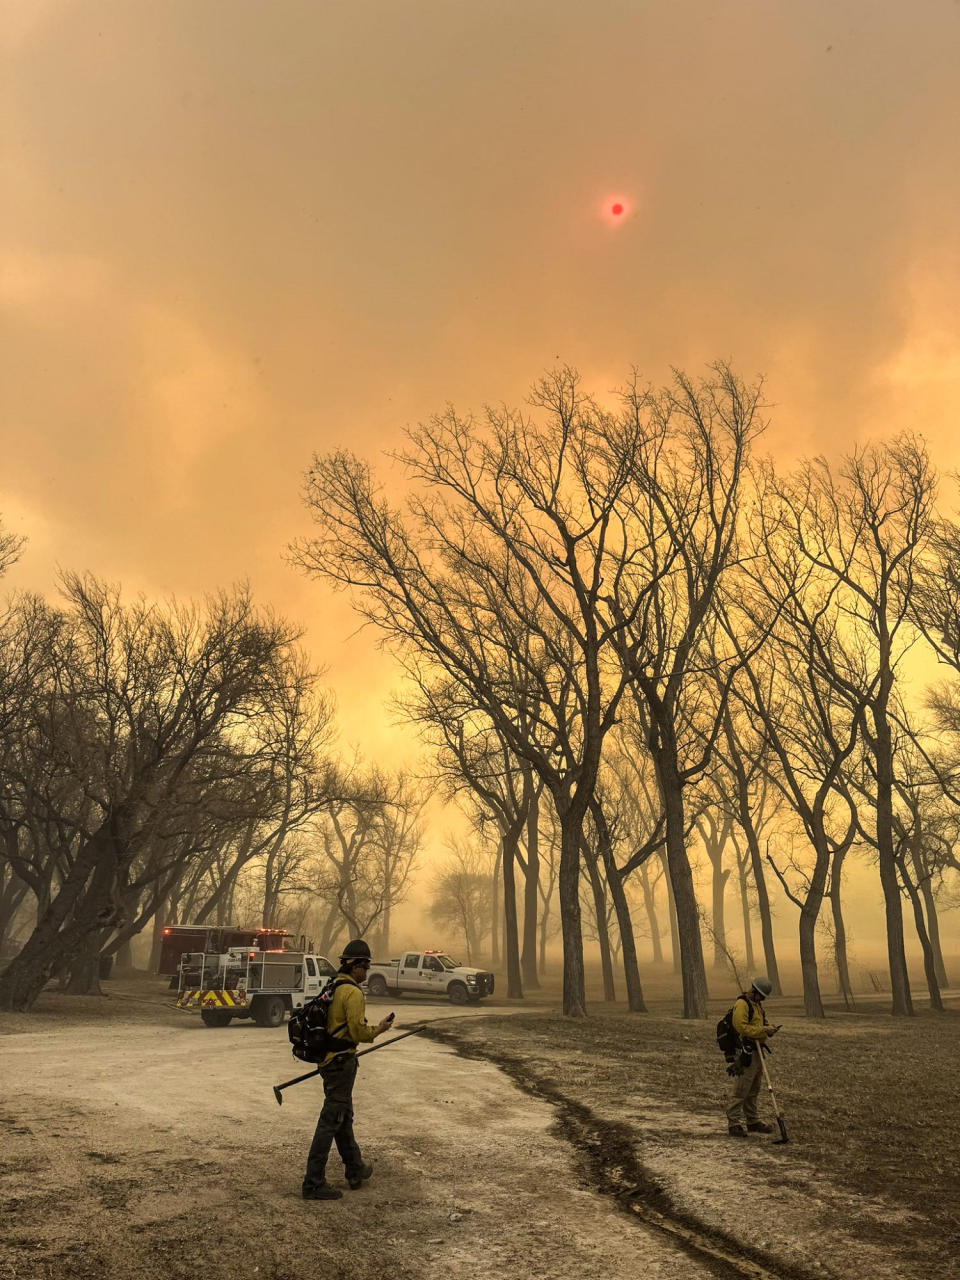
[429, 973]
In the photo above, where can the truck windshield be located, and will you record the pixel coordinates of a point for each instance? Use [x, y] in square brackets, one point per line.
[448, 963]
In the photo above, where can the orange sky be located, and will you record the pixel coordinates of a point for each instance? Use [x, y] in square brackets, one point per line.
[235, 232]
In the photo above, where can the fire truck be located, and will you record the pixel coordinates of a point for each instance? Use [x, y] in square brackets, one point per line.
[243, 982]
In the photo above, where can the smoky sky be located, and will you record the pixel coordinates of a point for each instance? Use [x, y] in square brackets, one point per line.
[236, 232]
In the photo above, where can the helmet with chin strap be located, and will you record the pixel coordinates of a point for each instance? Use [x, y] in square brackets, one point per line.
[762, 986]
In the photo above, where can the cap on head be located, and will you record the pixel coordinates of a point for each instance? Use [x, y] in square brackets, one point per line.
[762, 986]
[355, 950]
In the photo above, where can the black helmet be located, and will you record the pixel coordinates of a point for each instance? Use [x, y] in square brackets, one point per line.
[355, 950]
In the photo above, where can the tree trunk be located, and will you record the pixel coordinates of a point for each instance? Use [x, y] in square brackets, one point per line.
[84, 970]
[14, 891]
[544, 924]
[718, 922]
[714, 838]
[531, 893]
[628, 943]
[83, 905]
[650, 906]
[568, 883]
[385, 927]
[510, 935]
[929, 964]
[933, 921]
[692, 971]
[603, 937]
[156, 945]
[672, 914]
[840, 931]
[812, 1003]
[763, 906]
[810, 913]
[495, 917]
[745, 912]
[123, 957]
[902, 1005]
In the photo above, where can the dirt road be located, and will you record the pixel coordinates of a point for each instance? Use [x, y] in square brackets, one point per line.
[133, 1149]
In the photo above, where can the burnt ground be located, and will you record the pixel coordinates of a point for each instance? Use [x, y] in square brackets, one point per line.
[134, 1142]
[868, 1184]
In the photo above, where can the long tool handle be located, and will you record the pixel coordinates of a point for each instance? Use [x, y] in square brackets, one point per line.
[278, 1088]
[374, 1047]
[781, 1124]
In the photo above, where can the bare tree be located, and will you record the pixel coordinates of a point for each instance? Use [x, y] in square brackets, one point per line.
[744, 762]
[502, 558]
[142, 733]
[461, 895]
[715, 827]
[369, 836]
[472, 756]
[788, 694]
[862, 534]
[685, 496]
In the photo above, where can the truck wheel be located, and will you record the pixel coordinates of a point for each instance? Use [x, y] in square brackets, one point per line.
[268, 1011]
[215, 1017]
[377, 985]
[457, 993]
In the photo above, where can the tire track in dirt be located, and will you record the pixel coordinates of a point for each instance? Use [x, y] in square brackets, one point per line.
[608, 1150]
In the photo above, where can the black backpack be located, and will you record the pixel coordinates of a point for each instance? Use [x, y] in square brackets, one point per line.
[728, 1042]
[310, 1037]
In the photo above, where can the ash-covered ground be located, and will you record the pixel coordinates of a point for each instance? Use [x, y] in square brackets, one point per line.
[134, 1142]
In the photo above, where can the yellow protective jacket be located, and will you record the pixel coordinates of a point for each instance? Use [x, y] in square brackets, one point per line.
[347, 1016]
[748, 1020]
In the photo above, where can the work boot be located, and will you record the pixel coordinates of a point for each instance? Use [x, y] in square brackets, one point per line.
[758, 1126]
[737, 1131]
[323, 1192]
[356, 1180]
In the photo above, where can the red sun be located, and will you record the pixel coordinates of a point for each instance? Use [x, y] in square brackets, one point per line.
[616, 209]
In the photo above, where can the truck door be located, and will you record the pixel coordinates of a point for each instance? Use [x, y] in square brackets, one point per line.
[431, 973]
[311, 982]
[410, 971]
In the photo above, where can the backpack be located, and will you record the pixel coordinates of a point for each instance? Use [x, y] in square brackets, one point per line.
[728, 1042]
[307, 1029]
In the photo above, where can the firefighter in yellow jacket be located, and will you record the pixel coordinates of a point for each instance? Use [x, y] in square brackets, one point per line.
[346, 1022]
[750, 1024]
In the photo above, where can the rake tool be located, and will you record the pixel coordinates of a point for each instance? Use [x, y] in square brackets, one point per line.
[278, 1088]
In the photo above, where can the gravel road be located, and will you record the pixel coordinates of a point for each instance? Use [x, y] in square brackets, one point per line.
[138, 1150]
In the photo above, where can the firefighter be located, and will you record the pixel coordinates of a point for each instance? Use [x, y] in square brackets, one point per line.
[750, 1024]
[346, 1022]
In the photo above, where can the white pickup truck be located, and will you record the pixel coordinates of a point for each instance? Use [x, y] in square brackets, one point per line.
[430, 973]
[244, 983]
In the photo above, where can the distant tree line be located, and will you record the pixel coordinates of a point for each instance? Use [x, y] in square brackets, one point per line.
[173, 762]
[628, 639]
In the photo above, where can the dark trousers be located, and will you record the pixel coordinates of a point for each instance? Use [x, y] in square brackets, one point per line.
[335, 1123]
